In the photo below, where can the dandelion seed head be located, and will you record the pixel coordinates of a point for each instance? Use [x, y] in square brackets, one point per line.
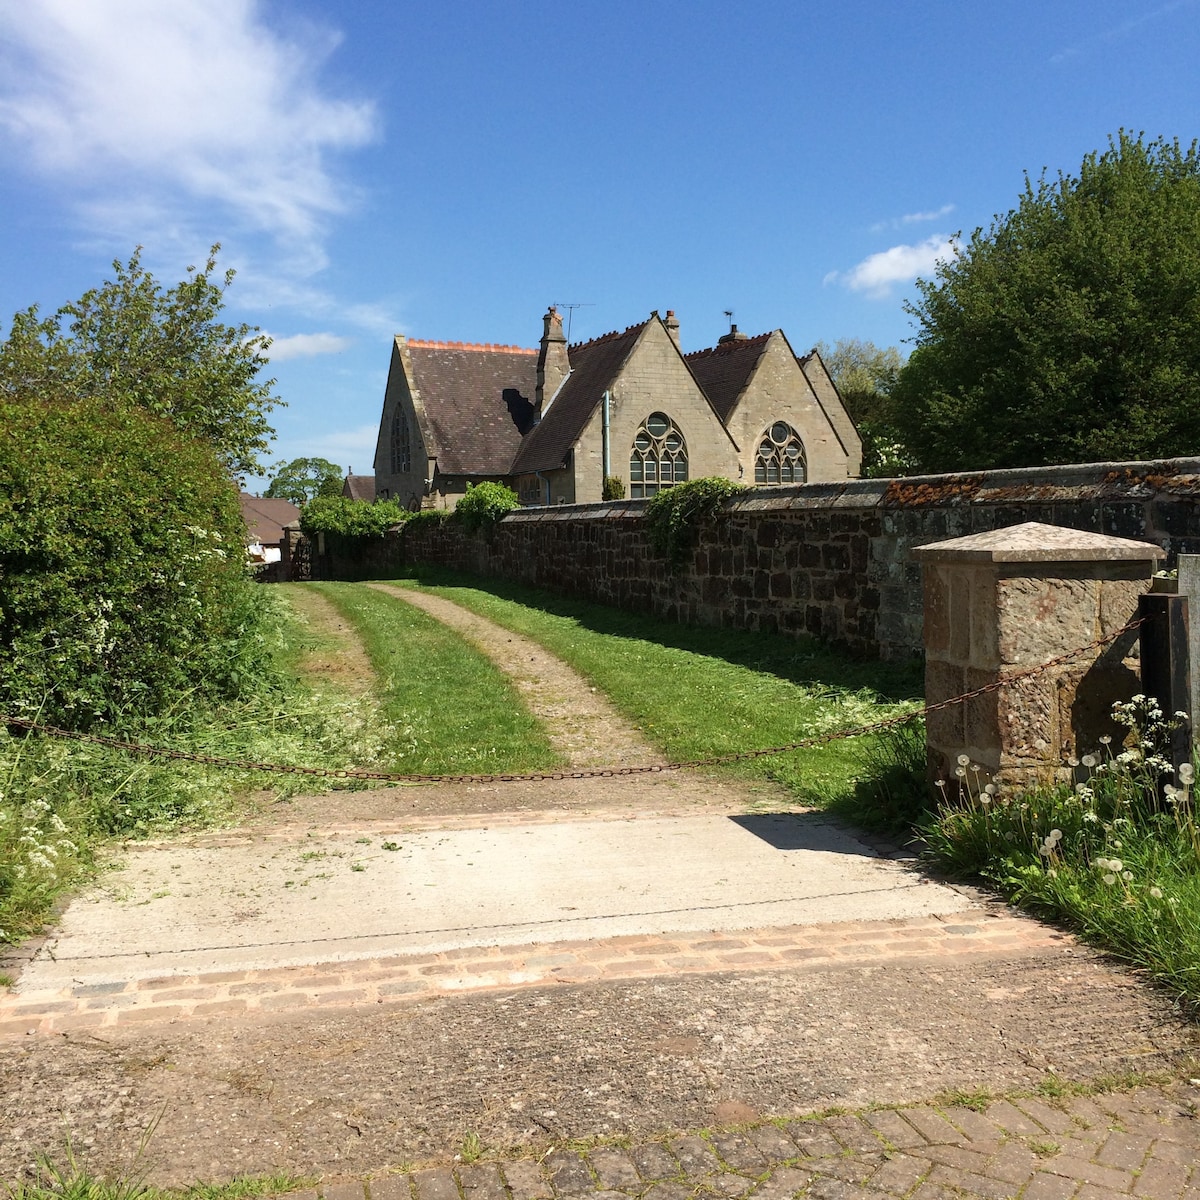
[1156, 892]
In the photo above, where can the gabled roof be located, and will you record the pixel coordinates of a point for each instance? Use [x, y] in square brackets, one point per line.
[817, 374]
[359, 487]
[595, 366]
[724, 370]
[478, 399]
[265, 517]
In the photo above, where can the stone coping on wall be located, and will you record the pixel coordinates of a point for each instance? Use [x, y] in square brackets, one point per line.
[1114, 481]
[1036, 542]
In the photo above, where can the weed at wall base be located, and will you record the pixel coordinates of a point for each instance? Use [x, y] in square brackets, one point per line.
[1105, 855]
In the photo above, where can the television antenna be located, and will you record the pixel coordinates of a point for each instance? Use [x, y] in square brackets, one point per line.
[729, 316]
[571, 311]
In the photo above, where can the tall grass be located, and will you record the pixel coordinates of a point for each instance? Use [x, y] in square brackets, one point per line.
[1116, 855]
[451, 710]
[60, 800]
[697, 692]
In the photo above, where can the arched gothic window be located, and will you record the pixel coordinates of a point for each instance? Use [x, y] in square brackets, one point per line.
[401, 445]
[658, 458]
[780, 456]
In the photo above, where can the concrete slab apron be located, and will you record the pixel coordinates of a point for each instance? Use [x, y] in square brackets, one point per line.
[181, 911]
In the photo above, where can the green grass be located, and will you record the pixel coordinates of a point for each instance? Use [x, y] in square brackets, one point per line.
[72, 1182]
[452, 711]
[697, 692]
[1107, 857]
[61, 801]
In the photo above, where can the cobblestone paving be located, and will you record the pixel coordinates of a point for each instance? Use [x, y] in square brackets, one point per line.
[983, 931]
[1143, 1142]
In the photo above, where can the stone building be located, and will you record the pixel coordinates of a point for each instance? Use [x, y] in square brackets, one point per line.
[553, 422]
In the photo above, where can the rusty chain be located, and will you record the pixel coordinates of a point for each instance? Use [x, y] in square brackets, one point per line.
[716, 760]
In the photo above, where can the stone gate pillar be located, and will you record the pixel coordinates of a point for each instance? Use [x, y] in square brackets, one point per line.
[999, 602]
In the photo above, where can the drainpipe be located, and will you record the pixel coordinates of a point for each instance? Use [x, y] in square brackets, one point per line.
[606, 457]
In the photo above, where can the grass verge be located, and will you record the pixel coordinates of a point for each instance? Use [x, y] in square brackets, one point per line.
[451, 710]
[53, 1182]
[61, 801]
[1114, 856]
[696, 692]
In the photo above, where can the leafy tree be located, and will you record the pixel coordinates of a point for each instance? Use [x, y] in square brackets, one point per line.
[866, 377]
[161, 350]
[1070, 330]
[303, 479]
[123, 565]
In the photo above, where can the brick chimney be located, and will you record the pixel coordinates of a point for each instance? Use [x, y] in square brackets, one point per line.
[672, 324]
[553, 365]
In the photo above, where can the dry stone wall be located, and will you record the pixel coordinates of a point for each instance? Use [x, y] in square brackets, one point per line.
[829, 559]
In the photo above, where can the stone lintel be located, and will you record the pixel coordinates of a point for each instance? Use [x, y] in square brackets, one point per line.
[1035, 542]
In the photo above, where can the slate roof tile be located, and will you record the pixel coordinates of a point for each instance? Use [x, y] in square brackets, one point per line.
[359, 487]
[595, 366]
[724, 370]
[265, 517]
[479, 400]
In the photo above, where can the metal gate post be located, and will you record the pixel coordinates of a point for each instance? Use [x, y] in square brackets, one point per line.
[1166, 669]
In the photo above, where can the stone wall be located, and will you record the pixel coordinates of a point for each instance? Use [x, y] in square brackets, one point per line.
[829, 559]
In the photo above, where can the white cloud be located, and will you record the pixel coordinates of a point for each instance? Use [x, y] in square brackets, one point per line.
[306, 345]
[348, 448]
[915, 218]
[166, 114]
[877, 273]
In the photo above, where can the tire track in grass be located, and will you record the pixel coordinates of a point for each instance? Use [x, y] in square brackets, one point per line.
[579, 720]
[453, 711]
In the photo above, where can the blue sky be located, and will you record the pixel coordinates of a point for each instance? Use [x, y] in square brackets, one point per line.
[447, 170]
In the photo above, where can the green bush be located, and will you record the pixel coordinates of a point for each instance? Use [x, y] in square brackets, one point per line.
[428, 517]
[614, 488]
[350, 518]
[674, 515]
[122, 569]
[484, 505]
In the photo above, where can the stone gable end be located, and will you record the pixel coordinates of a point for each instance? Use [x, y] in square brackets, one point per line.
[654, 379]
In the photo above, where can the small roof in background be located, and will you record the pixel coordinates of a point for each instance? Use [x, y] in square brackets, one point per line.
[265, 517]
[359, 487]
[479, 400]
